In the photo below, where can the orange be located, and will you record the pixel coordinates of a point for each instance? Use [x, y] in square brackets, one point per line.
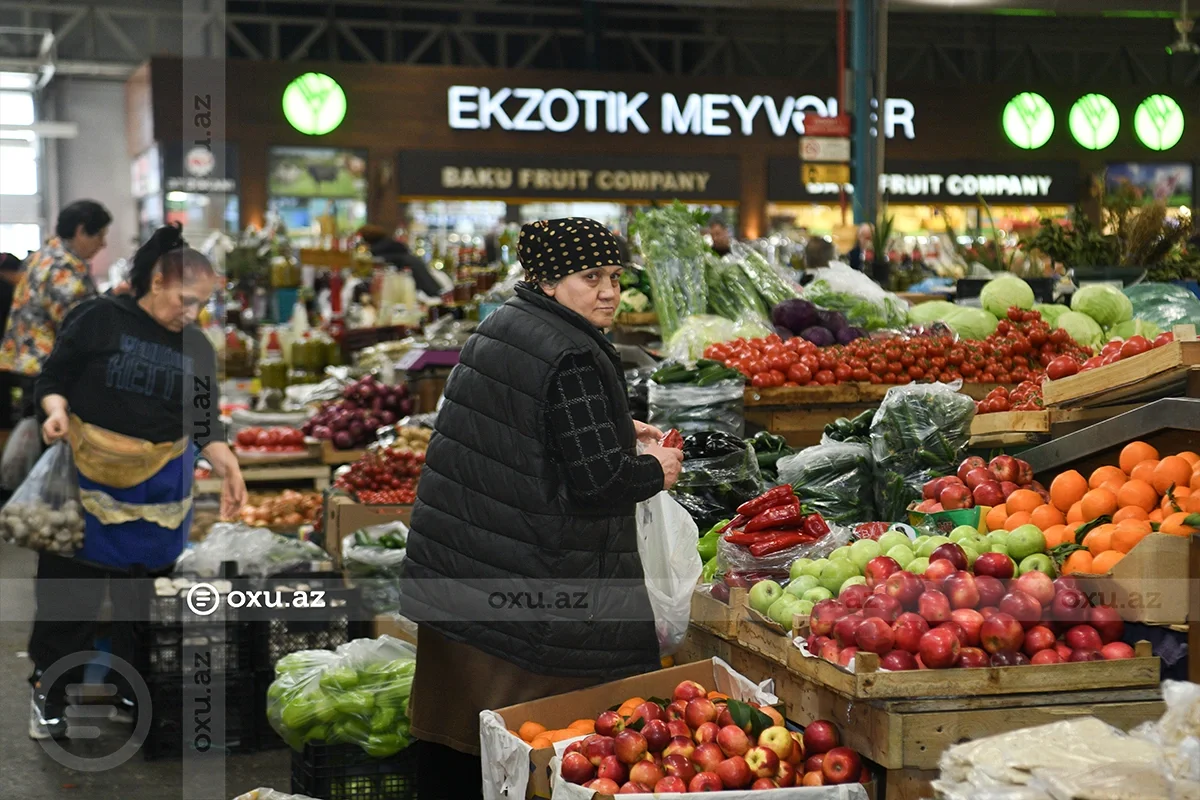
[1195, 482]
[1172, 471]
[1190, 457]
[1176, 526]
[1156, 515]
[1057, 534]
[541, 742]
[564, 733]
[1135, 453]
[717, 696]
[1180, 495]
[1075, 513]
[1047, 516]
[529, 730]
[1079, 561]
[1103, 563]
[1067, 489]
[584, 725]
[1129, 533]
[1138, 493]
[995, 518]
[1104, 474]
[1099, 539]
[1130, 512]
[1144, 471]
[1016, 520]
[1113, 486]
[514, 733]
[1097, 503]
[1192, 506]
[1023, 500]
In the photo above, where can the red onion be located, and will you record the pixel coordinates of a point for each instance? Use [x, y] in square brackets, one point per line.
[342, 440]
[387, 417]
[322, 432]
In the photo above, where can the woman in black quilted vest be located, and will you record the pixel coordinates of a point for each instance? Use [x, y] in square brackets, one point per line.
[523, 571]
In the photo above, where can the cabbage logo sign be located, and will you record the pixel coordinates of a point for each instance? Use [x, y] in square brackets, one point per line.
[1094, 121]
[1028, 121]
[314, 103]
[1158, 122]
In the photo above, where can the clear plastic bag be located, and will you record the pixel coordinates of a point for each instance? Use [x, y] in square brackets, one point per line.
[919, 432]
[21, 452]
[691, 409]
[733, 558]
[773, 287]
[357, 694]
[667, 548]
[861, 299]
[378, 567]
[711, 489]
[695, 333]
[1164, 304]
[45, 512]
[271, 794]
[257, 551]
[835, 479]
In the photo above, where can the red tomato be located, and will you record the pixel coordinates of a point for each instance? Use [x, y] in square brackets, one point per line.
[811, 361]
[860, 374]
[761, 380]
[799, 373]
[248, 437]
[757, 366]
[825, 377]
[1135, 345]
[1164, 338]
[777, 377]
[843, 372]
[1111, 358]
[1061, 367]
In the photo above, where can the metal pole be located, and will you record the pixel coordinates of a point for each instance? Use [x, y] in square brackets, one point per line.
[841, 84]
[864, 150]
[881, 57]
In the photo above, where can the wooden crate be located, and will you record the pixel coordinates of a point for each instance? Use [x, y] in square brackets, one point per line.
[842, 394]
[1161, 372]
[722, 619]
[315, 475]
[1009, 429]
[802, 426]
[331, 455]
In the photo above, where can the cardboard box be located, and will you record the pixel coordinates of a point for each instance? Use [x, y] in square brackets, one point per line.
[397, 627]
[344, 516]
[1149, 585]
[560, 710]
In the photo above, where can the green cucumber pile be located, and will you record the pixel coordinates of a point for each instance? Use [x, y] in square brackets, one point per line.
[705, 373]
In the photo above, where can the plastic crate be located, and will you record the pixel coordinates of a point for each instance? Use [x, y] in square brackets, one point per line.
[172, 610]
[289, 630]
[345, 772]
[161, 649]
[183, 713]
[265, 737]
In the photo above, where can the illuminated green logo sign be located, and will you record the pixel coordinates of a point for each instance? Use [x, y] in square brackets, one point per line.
[314, 103]
[1158, 122]
[1028, 121]
[1094, 121]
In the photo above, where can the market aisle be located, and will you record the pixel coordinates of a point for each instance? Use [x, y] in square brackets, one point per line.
[28, 773]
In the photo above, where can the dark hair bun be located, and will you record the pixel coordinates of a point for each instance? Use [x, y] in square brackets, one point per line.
[165, 240]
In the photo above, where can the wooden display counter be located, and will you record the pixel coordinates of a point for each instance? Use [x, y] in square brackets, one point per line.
[1169, 371]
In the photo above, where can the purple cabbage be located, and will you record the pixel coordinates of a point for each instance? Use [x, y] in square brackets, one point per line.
[821, 337]
[795, 315]
[833, 320]
[783, 332]
[849, 334]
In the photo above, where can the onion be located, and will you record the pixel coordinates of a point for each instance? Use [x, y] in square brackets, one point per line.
[349, 392]
[357, 429]
[406, 407]
[378, 404]
[342, 440]
[387, 417]
[349, 405]
[371, 423]
[322, 432]
[340, 422]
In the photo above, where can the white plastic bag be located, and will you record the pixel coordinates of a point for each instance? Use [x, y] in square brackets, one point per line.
[21, 452]
[667, 546]
[45, 512]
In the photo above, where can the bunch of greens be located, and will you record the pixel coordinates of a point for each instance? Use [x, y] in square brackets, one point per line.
[889, 312]
[731, 293]
[675, 253]
[636, 294]
[1081, 243]
[769, 283]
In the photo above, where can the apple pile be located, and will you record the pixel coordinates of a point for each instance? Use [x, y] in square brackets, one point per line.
[949, 617]
[693, 745]
[979, 483]
[366, 405]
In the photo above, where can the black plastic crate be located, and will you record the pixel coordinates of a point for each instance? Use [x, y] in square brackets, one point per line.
[184, 714]
[173, 611]
[265, 737]
[288, 630]
[165, 651]
[345, 772]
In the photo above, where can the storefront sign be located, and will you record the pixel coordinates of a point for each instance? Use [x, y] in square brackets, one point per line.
[1094, 121]
[314, 104]
[1158, 122]
[502, 176]
[200, 169]
[825, 173]
[1024, 183]
[562, 110]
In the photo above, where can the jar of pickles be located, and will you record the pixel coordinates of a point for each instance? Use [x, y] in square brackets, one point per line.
[239, 354]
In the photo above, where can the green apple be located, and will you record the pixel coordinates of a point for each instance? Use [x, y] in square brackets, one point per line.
[963, 532]
[815, 568]
[817, 594]
[979, 543]
[998, 537]
[1038, 562]
[797, 568]
[863, 551]
[903, 554]
[892, 539]
[971, 554]
[840, 554]
[1025, 541]
[927, 544]
[800, 584]
[999, 548]
[853, 581]
[783, 609]
[918, 565]
[763, 594]
[837, 573]
[804, 607]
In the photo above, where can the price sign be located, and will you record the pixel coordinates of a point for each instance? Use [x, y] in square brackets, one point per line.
[820, 148]
[824, 173]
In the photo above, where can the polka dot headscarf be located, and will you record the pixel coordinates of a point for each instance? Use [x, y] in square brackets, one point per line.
[553, 249]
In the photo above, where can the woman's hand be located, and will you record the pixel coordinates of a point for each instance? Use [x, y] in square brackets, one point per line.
[647, 434]
[671, 461]
[233, 493]
[55, 427]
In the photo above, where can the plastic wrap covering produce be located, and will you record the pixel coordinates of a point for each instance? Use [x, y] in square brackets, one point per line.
[692, 409]
[257, 551]
[1164, 304]
[861, 299]
[919, 432]
[667, 546]
[374, 555]
[698, 332]
[732, 558]
[1177, 733]
[770, 284]
[357, 694]
[270, 794]
[21, 452]
[675, 253]
[719, 472]
[731, 293]
[855, 430]
[46, 513]
[835, 480]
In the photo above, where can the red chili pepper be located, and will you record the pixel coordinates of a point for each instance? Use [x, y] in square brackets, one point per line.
[780, 495]
[673, 439]
[781, 541]
[815, 525]
[789, 516]
[736, 522]
[746, 539]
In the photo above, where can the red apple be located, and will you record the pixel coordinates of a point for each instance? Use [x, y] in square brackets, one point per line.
[908, 629]
[612, 768]
[609, 723]
[978, 477]
[706, 733]
[988, 611]
[1038, 585]
[707, 756]
[1001, 632]
[1007, 488]
[763, 783]
[678, 727]
[1025, 474]
[815, 643]
[733, 741]
[950, 552]
[688, 691]
[956, 629]
[1069, 607]
[933, 489]
[787, 774]
[596, 747]
[1063, 650]
[841, 765]
[779, 740]
[657, 735]
[574, 747]
[762, 761]
[995, 565]
[670, 785]
[603, 786]
[820, 737]
[706, 781]
[928, 506]
[813, 763]
[798, 753]
[875, 635]
[726, 718]
[812, 779]
[1107, 622]
[679, 766]
[883, 606]
[825, 615]
[1009, 658]
[1083, 637]
[1114, 651]
[939, 649]
[629, 787]
[991, 589]
[1038, 638]
[1085, 654]
[934, 606]
[676, 710]
[734, 773]
[679, 746]
[577, 769]
[829, 651]
[898, 660]
[961, 590]
[648, 711]
[845, 655]
[878, 569]
[1065, 582]
[853, 596]
[646, 773]
[845, 629]
[968, 464]
[630, 746]
[970, 621]
[1005, 468]
[1050, 656]
[955, 497]
[1021, 607]
[988, 493]
[937, 572]
[971, 657]
[905, 587]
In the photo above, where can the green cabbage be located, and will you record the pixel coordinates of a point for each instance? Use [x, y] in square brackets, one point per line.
[1103, 303]
[1050, 312]
[931, 312]
[1002, 293]
[972, 323]
[1082, 328]
[1134, 327]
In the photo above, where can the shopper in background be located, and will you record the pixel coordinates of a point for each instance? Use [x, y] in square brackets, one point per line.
[132, 384]
[722, 240]
[11, 269]
[55, 280]
[857, 257]
[530, 482]
[399, 255]
[818, 252]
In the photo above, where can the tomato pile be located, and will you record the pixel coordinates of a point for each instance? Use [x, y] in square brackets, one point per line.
[1117, 350]
[269, 440]
[385, 476]
[1019, 350]
[1026, 397]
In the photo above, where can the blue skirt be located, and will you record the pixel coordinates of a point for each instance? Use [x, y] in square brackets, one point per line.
[140, 542]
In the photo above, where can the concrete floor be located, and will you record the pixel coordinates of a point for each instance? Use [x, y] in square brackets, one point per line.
[27, 772]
